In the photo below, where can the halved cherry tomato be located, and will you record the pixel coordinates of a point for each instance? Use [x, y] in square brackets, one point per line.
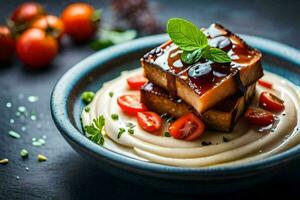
[271, 102]
[36, 49]
[131, 104]
[259, 117]
[188, 127]
[265, 84]
[7, 44]
[51, 24]
[136, 82]
[149, 121]
[81, 21]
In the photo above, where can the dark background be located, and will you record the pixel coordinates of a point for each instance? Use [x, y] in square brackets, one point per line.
[66, 175]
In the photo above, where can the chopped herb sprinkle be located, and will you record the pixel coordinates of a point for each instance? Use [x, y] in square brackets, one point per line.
[115, 116]
[121, 131]
[24, 153]
[87, 96]
[87, 109]
[111, 94]
[167, 134]
[41, 158]
[4, 161]
[225, 139]
[14, 134]
[130, 125]
[130, 131]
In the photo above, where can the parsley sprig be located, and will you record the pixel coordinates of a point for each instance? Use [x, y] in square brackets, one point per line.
[194, 43]
[94, 130]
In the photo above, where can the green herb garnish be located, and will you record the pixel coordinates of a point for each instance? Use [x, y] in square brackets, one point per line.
[87, 109]
[130, 125]
[121, 131]
[167, 134]
[114, 116]
[130, 131]
[111, 94]
[87, 96]
[24, 153]
[194, 43]
[94, 130]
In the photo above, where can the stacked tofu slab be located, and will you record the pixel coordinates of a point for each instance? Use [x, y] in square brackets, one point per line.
[220, 102]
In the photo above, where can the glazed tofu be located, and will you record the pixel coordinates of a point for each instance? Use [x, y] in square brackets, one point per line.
[222, 117]
[163, 67]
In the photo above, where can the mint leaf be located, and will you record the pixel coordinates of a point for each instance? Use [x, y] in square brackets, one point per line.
[191, 57]
[121, 131]
[193, 42]
[217, 55]
[185, 34]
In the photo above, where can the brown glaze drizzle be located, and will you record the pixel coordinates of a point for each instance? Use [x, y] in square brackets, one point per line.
[174, 61]
[240, 54]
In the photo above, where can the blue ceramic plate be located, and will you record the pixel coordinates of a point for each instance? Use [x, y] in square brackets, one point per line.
[105, 65]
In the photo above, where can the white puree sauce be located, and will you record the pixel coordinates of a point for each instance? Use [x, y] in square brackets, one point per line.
[245, 142]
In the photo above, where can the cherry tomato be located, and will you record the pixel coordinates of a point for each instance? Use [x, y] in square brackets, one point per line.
[149, 121]
[27, 12]
[36, 49]
[265, 84]
[131, 104]
[271, 102]
[81, 21]
[188, 127]
[7, 44]
[136, 82]
[51, 24]
[259, 117]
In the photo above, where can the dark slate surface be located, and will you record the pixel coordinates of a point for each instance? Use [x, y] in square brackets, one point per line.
[68, 176]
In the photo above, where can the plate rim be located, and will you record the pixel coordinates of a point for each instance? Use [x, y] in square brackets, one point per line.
[63, 88]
